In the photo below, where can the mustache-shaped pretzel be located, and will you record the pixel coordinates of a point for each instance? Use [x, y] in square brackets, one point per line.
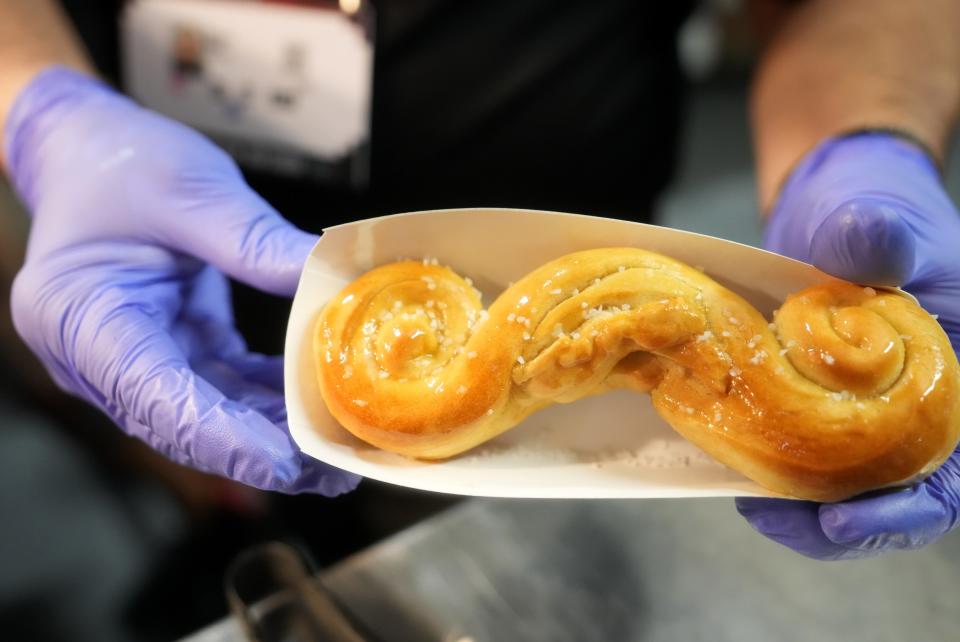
[847, 390]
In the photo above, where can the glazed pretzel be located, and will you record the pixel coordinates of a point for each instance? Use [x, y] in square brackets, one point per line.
[849, 389]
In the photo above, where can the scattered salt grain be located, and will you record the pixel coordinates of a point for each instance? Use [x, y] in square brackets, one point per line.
[843, 395]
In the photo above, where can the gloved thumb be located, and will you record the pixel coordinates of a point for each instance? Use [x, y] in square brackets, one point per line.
[907, 519]
[242, 235]
[865, 240]
[903, 518]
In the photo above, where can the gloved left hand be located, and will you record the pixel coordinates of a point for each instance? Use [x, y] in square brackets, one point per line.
[122, 296]
[871, 208]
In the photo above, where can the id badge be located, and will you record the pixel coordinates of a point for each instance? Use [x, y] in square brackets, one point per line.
[284, 86]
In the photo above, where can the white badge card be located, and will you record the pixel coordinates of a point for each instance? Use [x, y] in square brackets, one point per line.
[284, 86]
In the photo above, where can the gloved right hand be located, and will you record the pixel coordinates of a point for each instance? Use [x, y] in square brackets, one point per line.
[136, 218]
[871, 208]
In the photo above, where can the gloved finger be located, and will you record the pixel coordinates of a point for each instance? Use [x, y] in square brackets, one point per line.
[865, 240]
[324, 479]
[257, 381]
[249, 379]
[905, 519]
[315, 476]
[209, 339]
[208, 297]
[242, 235]
[265, 370]
[794, 524]
[162, 446]
[137, 370]
[204, 326]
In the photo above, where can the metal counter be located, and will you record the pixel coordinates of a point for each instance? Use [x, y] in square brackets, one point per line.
[519, 570]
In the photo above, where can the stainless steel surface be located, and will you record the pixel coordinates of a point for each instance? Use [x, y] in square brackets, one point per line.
[273, 596]
[581, 571]
[643, 570]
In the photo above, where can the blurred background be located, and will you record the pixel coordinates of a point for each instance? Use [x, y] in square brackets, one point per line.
[104, 540]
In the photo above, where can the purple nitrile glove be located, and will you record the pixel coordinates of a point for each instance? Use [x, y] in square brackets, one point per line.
[871, 208]
[122, 295]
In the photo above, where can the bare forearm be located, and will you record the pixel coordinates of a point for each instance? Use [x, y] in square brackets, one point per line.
[841, 65]
[33, 35]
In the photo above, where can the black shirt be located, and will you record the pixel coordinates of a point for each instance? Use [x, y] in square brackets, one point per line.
[537, 103]
[549, 104]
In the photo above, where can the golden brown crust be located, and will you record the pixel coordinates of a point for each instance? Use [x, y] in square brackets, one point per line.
[847, 390]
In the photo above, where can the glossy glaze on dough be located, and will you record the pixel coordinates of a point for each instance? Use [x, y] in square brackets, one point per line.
[849, 389]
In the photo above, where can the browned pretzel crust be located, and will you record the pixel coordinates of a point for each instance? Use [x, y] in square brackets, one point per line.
[849, 389]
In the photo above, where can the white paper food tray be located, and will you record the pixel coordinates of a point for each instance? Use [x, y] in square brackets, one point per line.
[608, 446]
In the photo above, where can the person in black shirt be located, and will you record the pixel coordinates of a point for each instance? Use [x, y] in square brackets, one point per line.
[537, 104]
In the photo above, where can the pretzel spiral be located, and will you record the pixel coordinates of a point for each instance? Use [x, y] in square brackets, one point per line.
[847, 390]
